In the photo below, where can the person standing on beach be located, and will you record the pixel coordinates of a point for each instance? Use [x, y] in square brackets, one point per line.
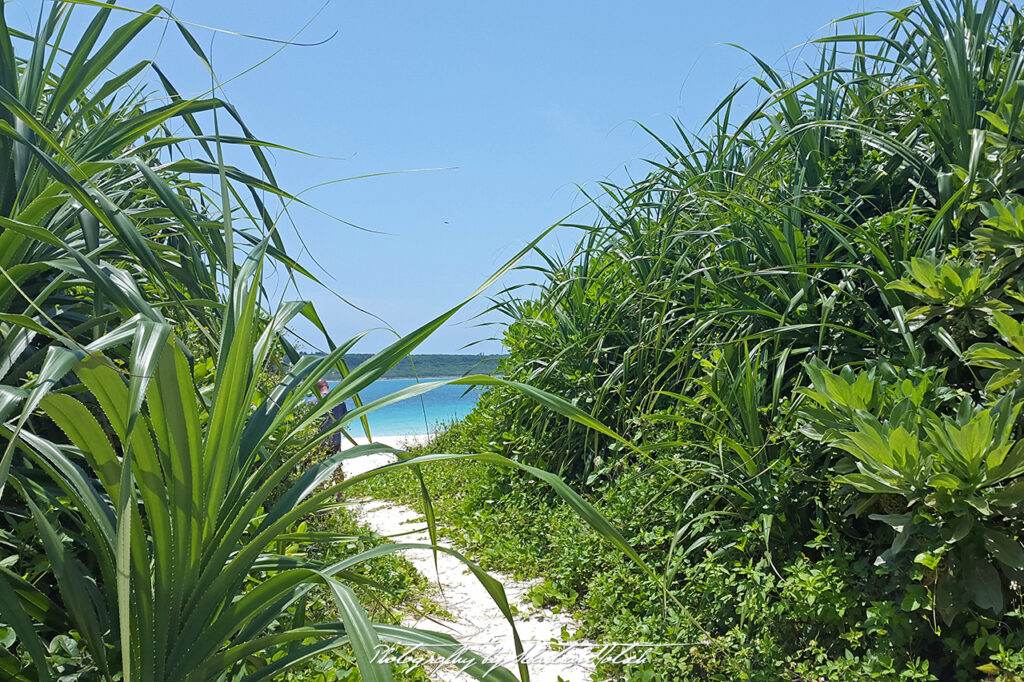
[336, 414]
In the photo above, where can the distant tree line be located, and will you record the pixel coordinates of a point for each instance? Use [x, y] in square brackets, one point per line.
[428, 365]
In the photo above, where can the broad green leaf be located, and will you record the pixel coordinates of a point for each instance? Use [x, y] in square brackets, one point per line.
[1005, 549]
[982, 583]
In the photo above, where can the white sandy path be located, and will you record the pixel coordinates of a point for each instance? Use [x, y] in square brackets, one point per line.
[478, 622]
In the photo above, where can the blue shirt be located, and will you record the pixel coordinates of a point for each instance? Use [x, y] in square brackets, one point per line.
[334, 415]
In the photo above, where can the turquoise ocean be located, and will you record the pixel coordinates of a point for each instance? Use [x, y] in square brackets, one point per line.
[420, 414]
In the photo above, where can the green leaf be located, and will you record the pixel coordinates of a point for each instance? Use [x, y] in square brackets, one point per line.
[1010, 496]
[945, 480]
[1005, 549]
[14, 615]
[982, 583]
[869, 484]
[361, 633]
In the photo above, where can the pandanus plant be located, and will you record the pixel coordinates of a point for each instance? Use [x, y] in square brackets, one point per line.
[183, 580]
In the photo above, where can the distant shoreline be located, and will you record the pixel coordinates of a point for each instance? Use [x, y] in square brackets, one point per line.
[427, 366]
[439, 378]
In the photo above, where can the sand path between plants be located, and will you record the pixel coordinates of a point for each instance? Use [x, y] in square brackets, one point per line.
[478, 622]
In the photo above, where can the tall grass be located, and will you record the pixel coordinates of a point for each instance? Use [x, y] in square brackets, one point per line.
[764, 241]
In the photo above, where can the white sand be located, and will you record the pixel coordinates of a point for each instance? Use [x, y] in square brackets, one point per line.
[359, 465]
[478, 622]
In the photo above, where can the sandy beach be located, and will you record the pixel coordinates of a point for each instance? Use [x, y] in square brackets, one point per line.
[478, 623]
[359, 465]
[393, 441]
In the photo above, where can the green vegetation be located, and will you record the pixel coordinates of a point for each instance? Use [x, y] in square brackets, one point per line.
[808, 323]
[428, 366]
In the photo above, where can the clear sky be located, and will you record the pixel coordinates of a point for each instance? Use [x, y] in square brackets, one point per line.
[521, 102]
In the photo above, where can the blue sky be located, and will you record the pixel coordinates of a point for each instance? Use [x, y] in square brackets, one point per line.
[521, 102]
